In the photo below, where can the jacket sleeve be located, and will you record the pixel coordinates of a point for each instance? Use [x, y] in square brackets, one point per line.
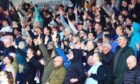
[77, 18]
[85, 25]
[44, 51]
[100, 74]
[63, 21]
[62, 54]
[74, 30]
[80, 70]
[31, 34]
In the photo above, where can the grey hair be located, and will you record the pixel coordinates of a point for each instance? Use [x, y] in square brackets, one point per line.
[22, 44]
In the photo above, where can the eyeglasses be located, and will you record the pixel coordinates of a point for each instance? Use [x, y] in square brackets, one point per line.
[55, 61]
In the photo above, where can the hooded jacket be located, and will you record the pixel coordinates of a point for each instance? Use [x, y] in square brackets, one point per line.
[76, 69]
[135, 37]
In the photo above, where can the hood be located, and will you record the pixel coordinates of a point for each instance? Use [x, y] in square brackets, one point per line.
[136, 28]
[77, 55]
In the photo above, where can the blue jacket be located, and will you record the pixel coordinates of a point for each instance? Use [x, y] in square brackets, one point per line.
[135, 37]
[61, 53]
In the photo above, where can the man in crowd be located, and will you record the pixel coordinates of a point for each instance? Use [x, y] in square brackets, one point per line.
[132, 74]
[79, 28]
[58, 74]
[119, 65]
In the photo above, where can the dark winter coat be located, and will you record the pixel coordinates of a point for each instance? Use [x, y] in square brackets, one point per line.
[132, 76]
[76, 69]
[121, 65]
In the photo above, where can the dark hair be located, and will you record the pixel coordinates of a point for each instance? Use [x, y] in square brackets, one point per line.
[61, 6]
[32, 49]
[130, 18]
[128, 27]
[108, 36]
[99, 55]
[100, 24]
[48, 28]
[10, 58]
[7, 21]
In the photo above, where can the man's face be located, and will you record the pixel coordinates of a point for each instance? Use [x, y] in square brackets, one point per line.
[89, 45]
[80, 27]
[105, 48]
[124, 4]
[16, 32]
[29, 51]
[57, 62]
[97, 27]
[66, 33]
[4, 23]
[37, 30]
[46, 31]
[121, 41]
[128, 22]
[82, 34]
[90, 36]
[120, 18]
[119, 30]
[95, 58]
[130, 64]
[89, 60]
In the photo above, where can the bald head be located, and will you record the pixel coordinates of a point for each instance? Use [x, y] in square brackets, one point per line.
[58, 61]
[131, 61]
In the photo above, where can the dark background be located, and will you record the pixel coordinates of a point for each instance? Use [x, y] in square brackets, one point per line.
[4, 4]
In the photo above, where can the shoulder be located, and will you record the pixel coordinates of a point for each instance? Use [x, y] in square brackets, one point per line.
[63, 69]
[128, 49]
[101, 68]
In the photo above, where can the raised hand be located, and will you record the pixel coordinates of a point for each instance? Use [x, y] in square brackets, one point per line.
[39, 40]
[73, 80]
[54, 35]
[75, 11]
[46, 39]
[138, 46]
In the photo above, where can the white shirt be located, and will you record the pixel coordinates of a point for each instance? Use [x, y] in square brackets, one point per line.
[93, 70]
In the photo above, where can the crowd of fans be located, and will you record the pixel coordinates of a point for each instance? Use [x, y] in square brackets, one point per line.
[92, 42]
